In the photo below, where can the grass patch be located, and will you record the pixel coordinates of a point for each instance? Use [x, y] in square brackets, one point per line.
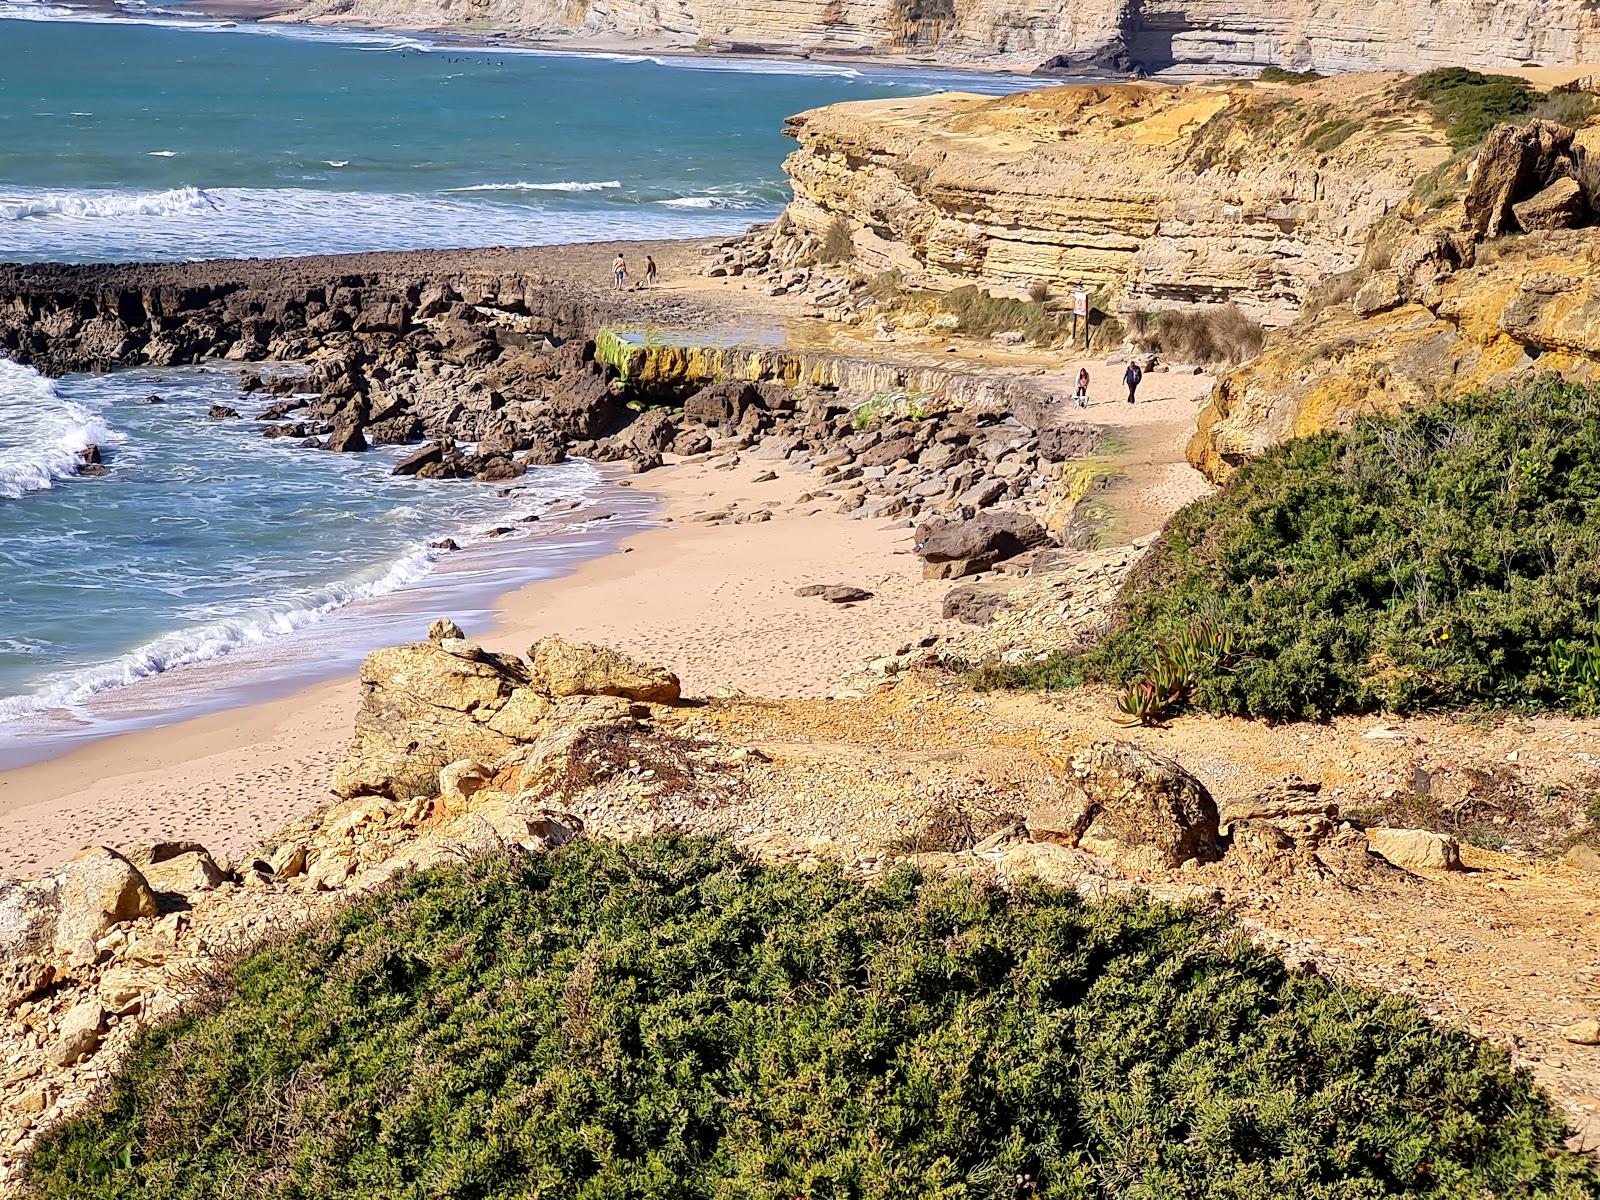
[1216, 334]
[667, 1020]
[1469, 103]
[1575, 109]
[1445, 558]
[1330, 135]
[1283, 75]
[837, 244]
[981, 314]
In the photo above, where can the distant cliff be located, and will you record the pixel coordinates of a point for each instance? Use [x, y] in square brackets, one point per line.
[1149, 35]
[1152, 196]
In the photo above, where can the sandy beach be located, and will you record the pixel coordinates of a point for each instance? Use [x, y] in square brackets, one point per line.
[714, 602]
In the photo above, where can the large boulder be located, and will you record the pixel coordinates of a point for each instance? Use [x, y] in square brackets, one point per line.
[722, 404]
[1415, 849]
[562, 668]
[1559, 206]
[72, 907]
[1133, 806]
[966, 547]
[1515, 162]
[422, 708]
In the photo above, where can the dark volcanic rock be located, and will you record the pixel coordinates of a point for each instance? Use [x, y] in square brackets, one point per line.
[346, 437]
[430, 455]
[972, 603]
[722, 404]
[221, 412]
[1064, 443]
[968, 547]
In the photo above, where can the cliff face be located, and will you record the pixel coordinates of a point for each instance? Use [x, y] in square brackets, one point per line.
[1153, 35]
[1437, 308]
[1154, 196]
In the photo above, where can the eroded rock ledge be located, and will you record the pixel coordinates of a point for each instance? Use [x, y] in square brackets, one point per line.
[1151, 196]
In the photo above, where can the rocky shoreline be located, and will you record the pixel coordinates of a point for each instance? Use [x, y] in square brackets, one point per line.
[490, 365]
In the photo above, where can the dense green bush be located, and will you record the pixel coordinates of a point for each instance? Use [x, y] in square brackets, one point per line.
[665, 1019]
[1448, 557]
[1471, 103]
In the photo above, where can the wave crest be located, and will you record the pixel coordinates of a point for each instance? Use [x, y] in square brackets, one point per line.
[569, 185]
[172, 203]
[202, 643]
[41, 434]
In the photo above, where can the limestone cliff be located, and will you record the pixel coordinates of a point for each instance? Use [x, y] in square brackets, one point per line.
[1436, 308]
[1149, 35]
[1153, 196]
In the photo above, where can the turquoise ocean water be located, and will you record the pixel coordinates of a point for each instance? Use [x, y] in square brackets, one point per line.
[210, 566]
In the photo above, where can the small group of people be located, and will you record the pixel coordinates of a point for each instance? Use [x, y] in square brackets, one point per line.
[1131, 378]
[619, 271]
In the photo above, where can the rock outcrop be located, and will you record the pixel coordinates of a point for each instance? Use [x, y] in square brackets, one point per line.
[1103, 34]
[1480, 292]
[1152, 197]
[1132, 806]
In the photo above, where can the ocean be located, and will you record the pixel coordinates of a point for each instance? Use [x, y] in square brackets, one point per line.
[184, 140]
[209, 566]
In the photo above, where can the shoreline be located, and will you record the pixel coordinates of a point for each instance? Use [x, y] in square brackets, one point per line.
[705, 600]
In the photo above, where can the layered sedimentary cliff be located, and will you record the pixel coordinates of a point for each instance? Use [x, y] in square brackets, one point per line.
[1152, 196]
[1149, 35]
[1487, 289]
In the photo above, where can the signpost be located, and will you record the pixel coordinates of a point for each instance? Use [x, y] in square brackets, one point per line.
[1080, 308]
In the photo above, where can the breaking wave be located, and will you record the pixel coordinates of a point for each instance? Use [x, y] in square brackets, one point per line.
[88, 204]
[41, 434]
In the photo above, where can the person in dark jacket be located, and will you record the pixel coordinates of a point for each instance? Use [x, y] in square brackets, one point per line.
[1082, 394]
[1131, 377]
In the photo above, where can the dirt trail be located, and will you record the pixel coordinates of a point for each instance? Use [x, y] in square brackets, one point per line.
[1509, 948]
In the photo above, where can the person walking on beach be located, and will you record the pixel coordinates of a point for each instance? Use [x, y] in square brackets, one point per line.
[649, 271]
[1131, 377]
[619, 271]
[1082, 394]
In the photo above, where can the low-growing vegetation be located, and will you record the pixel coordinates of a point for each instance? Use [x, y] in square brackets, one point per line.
[666, 1019]
[982, 314]
[1284, 75]
[1444, 558]
[1470, 103]
[1219, 333]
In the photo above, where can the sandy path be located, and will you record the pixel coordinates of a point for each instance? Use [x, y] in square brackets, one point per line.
[716, 603]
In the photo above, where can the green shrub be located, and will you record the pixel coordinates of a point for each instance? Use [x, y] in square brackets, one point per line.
[1448, 557]
[981, 314]
[1219, 333]
[1470, 103]
[667, 1020]
[1575, 109]
[1283, 75]
[837, 244]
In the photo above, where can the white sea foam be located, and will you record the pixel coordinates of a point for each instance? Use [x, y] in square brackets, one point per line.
[337, 162]
[106, 204]
[41, 434]
[191, 223]
[161, 154]
[215, 639]
[567, 185]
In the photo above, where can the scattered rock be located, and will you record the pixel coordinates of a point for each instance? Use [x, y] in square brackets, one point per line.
[1585, 858]
[1416, 849]
[81, 1030]
[562, 668]
[221, 412]
[1132, 806]
[1583, 1033]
